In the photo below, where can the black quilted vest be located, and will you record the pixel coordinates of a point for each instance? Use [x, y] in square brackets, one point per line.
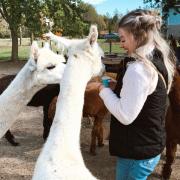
[145, 137]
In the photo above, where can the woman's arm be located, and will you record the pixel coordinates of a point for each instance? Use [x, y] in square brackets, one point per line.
[137, 85]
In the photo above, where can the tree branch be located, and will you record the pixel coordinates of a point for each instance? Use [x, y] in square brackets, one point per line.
[4, 13]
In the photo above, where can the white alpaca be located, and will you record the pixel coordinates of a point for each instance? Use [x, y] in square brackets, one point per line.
[61, 157]
[43, 67]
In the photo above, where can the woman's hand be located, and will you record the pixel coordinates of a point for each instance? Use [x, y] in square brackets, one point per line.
[112, 84]
[94, 85]
[101, 86]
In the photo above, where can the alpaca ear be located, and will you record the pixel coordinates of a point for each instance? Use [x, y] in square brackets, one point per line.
[93, 34]
[34, 51]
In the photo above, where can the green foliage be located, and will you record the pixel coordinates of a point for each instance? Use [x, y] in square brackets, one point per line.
[165, 5]
[72, 17]
[22, 12]
[4, 30]
[91, 16]
[32, 16]
[12, 11]
[112, 22]
[67, 16]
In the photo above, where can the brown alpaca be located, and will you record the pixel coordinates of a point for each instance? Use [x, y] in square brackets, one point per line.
[93, 107]
[172, 126]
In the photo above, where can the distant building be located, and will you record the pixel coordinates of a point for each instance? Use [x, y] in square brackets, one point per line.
[173, 22]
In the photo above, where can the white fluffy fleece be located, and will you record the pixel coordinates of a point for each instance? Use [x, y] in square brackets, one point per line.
[61, 157]
[32, 77]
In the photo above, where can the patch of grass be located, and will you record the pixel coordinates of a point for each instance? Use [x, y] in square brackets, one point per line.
[24, 52]
[5, 53]
[106, 47]
[5, 49]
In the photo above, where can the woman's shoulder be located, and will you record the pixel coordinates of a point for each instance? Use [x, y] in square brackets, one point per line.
[136, 66]
[139, 68]
[142, 73]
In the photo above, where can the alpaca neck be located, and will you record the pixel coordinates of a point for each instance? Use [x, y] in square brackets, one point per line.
[16, 97]
[65, 131]
[66, 42]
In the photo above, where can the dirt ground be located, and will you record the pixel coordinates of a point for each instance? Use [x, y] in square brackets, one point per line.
[17, 163]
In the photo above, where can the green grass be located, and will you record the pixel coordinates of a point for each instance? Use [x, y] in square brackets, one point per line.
[115, 47]
[5, 53]
[24, 52]
[5, 49]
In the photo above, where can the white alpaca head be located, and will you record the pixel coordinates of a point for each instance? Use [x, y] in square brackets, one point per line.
[89, 48]
[46, 66]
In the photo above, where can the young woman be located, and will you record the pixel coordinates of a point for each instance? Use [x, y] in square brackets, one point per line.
[138, 104]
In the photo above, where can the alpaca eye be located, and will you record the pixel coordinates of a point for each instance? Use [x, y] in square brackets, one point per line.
[51, 67]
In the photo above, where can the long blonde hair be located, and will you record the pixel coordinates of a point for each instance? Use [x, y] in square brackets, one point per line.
[145, 26]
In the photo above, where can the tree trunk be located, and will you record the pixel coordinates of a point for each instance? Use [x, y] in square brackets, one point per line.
[14, 52]
[20, 39]
[32, 37]
[110, 41]
[110, 46]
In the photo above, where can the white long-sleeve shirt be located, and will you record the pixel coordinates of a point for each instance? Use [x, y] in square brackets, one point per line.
[138, 83]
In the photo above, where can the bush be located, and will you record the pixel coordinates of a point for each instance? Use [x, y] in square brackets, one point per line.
[4, 34]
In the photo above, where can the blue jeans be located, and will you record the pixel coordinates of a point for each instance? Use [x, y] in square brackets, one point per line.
[129, 169]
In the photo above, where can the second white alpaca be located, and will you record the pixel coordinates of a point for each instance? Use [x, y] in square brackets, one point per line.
[43, 67]
[61, 157]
